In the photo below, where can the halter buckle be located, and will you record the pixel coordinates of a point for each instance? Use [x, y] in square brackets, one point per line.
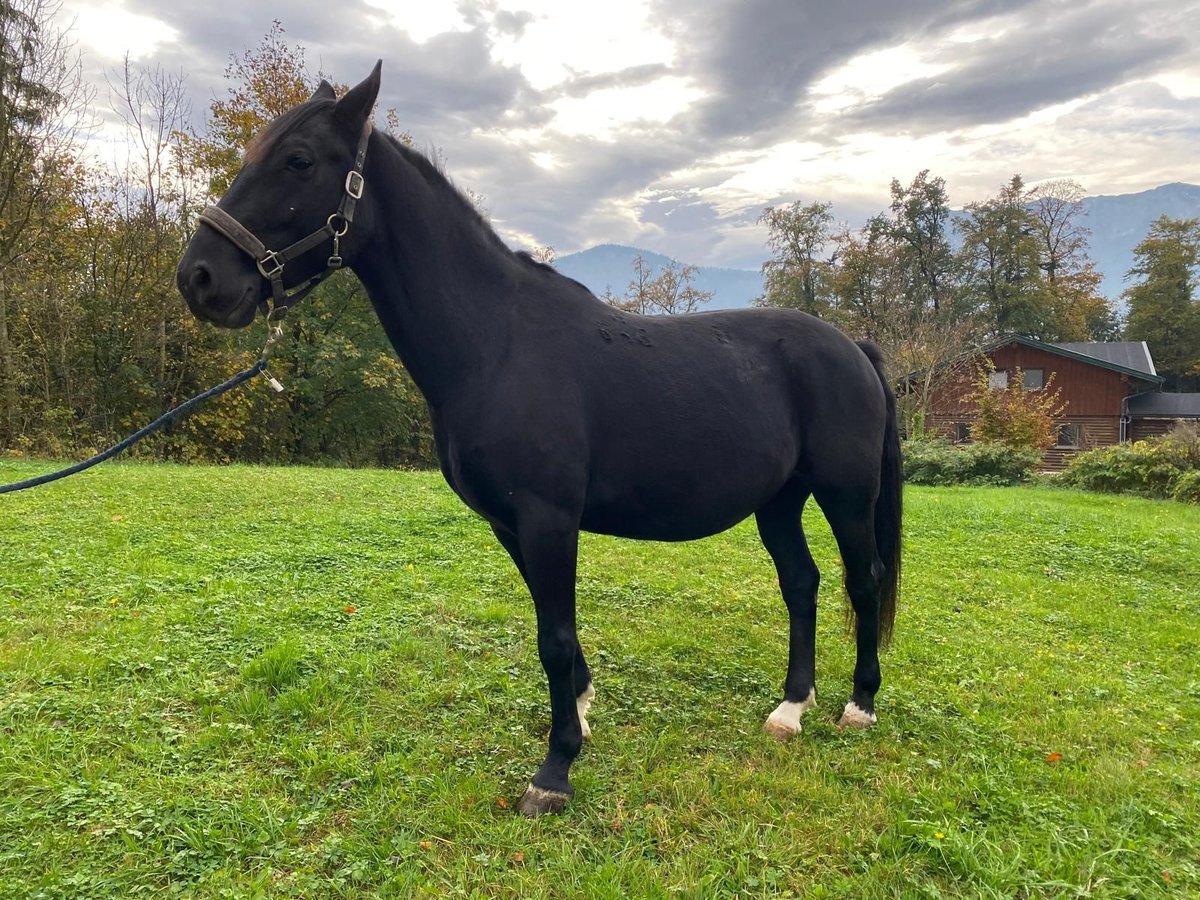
[271, 259]
[355, 184]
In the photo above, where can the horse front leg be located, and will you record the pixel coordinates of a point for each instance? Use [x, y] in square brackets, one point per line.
[585, 691]
[548, 542]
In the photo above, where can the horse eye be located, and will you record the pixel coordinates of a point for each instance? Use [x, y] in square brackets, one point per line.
[299, 163]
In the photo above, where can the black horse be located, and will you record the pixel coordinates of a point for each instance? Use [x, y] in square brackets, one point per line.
[555, 413]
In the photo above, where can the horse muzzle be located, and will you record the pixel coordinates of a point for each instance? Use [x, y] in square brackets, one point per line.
[226, 305]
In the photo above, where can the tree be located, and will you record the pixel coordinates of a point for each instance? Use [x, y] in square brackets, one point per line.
[669, 293]
[796, 277]
[42, 101]
[155, 202]
[1001, 264]
[1163, 307]
[266, 82]
[921, 217]
[867, 283]
[1079, 311]
[1056, 209]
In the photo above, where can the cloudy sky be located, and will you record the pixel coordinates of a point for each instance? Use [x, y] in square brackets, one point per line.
[670, 124]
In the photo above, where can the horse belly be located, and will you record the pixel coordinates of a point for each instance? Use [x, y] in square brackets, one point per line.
[692, 492]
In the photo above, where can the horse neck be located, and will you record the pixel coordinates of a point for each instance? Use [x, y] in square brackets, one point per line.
[437, 277]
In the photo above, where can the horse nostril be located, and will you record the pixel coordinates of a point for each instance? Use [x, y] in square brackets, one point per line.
[201, 277]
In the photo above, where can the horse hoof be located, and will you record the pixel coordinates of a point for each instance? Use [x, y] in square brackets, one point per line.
[538, 801]
[855, 716]
[780, 730]
[784, 722]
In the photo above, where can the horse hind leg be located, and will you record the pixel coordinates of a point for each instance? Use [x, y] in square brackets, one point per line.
[851, 518]
[782, 534]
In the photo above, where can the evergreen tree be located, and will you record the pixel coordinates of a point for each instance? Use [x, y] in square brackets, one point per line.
[1164, 310]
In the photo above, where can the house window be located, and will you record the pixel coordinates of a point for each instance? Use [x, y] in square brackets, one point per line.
[998, 379]
[1068, 436]
[1033, 379]
[962, 433]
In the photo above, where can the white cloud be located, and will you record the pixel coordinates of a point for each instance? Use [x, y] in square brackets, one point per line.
[676, 123]
[602, 113]
[566, 39]
[422, 20]
[869, 76]
[111, 31]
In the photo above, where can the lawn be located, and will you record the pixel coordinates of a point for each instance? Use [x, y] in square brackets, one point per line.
[297, 682]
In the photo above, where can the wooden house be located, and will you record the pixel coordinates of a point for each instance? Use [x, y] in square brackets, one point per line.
[1111, 391]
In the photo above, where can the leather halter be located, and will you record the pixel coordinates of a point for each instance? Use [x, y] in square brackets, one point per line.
[270, 263]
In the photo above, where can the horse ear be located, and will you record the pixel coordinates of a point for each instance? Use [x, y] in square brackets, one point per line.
[356, 104]
[324, 92]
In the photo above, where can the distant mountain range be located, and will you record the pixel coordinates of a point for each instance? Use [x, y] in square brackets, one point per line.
[1118, 223]
[610, 267]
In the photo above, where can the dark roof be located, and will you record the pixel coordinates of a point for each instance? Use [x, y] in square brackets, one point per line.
[1127, 354]
[1143, 368]
[1167, 406]
[1092, 355]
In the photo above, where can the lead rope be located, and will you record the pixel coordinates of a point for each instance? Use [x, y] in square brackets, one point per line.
[274, 333]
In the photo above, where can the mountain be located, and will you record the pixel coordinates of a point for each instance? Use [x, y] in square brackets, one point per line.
[610, 266]
[1117, 222]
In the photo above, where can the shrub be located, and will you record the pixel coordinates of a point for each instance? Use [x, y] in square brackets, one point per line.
[1187, 488]
[938, 462]
[1016, 416]
[1163, 467]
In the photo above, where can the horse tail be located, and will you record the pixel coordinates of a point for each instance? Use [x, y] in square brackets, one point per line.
[889, 506]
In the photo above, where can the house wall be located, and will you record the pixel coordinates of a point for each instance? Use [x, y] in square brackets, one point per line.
[1092, 396]
[1146, 427]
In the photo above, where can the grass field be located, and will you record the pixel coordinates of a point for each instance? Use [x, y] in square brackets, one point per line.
[285, 682]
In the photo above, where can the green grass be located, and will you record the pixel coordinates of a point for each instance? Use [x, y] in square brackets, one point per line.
[188, 706]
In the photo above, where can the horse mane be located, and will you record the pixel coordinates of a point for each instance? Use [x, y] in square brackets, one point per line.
[435, 175]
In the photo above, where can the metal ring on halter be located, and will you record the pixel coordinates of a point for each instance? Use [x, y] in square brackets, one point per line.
[334, 231]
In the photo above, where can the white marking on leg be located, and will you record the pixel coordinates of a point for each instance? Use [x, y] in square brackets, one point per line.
[855, 716]
[785, 721]
[582, 703]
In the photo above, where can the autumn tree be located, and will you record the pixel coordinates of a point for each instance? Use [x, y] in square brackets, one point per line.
[1164, 308]
[1001, 254]
[921, 225]
[264, 84]
[43, 99]
[155, 199]
[797, 276]
[866, 283]
[1079, 311]
[671, 292]
[348, 398]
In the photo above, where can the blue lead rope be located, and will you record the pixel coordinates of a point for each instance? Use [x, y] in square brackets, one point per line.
[159, 423]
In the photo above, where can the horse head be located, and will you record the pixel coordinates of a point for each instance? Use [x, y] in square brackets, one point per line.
[285, 221]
